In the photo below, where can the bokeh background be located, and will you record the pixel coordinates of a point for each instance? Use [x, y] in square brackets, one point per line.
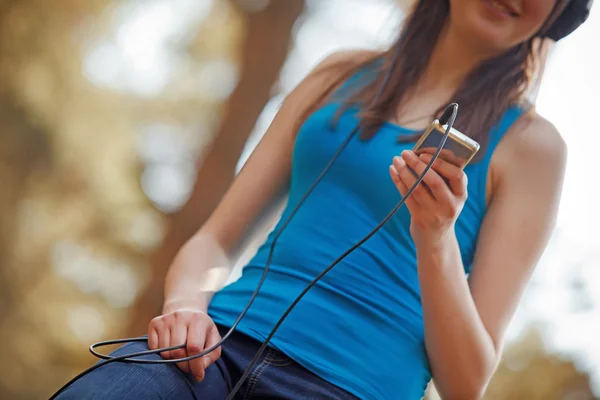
[122, 123]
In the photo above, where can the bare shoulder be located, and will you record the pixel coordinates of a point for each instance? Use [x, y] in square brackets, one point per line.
[536, 136]
[342, 61]
[350, 56]
[325, 77]
[533, 143]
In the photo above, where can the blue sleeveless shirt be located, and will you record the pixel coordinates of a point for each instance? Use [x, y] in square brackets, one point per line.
[361, 326]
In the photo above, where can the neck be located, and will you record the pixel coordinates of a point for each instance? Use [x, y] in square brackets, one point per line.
[451, 61]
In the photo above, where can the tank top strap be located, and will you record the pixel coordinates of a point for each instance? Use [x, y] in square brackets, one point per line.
[511, 115]
[478, 171]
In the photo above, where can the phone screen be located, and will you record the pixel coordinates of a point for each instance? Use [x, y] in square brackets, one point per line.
[453, 151]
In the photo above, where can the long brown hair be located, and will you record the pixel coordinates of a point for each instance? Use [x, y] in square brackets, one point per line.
[484, 96]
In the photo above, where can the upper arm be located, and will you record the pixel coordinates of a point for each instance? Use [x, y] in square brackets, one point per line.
[519, 221]
[266, 172]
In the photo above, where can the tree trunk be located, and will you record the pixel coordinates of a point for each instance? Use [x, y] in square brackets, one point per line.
[265, 49]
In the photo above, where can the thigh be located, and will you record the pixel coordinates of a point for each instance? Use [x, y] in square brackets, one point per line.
[128, 381]
[279, 377]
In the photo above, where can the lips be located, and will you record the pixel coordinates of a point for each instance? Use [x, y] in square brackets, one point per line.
[504, 6]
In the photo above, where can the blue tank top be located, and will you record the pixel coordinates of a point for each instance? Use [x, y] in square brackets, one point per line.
[361, 326]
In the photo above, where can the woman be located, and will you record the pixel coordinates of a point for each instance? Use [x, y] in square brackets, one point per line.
[430, 295]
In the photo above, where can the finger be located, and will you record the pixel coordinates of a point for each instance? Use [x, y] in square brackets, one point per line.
[152, 338]
[164, 340]
[426, 150]
[212, 339]
[432, 179]
[450, 157]
[459, 186]
[178, 334]
[421, 194]
[456, 177]
[195, 344]
[443, 167]
[410, 202]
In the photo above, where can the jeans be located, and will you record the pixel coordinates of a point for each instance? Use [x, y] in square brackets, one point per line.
[274, 376]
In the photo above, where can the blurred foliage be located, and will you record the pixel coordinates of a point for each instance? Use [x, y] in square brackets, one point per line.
[80, 237]
[265, 46]
[528, 372]
[75, 223]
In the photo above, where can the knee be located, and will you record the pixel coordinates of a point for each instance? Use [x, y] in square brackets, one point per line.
[130, 381]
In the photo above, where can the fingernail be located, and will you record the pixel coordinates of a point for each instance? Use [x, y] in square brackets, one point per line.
[399, 161]
[206, 362]
[407, 154]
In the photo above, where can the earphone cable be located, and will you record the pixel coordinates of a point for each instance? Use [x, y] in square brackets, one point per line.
[451, 110]
[130, 358]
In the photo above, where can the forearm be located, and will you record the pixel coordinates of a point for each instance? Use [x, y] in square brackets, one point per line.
[200, 268]
[461, 352]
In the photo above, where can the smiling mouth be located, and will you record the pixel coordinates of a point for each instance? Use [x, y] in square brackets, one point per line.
[497, 5]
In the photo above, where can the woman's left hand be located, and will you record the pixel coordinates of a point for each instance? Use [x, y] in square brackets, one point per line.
[435, 207]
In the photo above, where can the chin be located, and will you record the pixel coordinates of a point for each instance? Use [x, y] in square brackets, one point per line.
[497, 25]
[487, 38]
[486, 33]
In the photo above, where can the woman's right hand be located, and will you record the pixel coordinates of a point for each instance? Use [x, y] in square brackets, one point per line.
[189, 324]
